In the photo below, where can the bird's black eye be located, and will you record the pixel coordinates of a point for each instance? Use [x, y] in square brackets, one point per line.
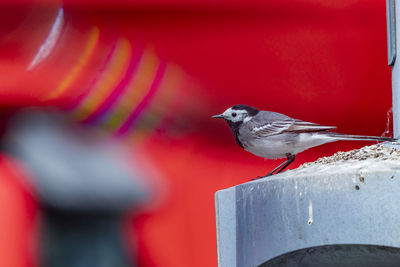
[234, 114]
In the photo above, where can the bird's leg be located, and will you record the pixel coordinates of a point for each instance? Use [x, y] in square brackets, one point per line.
[289, 159]
[277, 169]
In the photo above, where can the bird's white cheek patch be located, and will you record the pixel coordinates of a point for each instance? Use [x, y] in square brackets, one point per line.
[235, 119]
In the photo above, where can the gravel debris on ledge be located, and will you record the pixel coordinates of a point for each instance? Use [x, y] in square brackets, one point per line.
[378, 151]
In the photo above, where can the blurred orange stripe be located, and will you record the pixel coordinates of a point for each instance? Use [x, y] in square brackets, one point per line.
[160, 105]
[76, 69]
[112, 75]
[137, 89]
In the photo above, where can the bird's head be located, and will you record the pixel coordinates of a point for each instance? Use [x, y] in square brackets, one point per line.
[237, 114]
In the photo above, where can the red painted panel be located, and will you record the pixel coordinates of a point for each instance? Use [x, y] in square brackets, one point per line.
[321, 61]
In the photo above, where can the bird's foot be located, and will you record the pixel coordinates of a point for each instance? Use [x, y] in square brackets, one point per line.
[260, 177]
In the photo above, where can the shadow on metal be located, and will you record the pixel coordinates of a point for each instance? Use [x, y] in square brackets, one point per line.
[338, 255]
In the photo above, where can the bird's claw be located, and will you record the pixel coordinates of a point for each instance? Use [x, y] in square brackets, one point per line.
[260, 177]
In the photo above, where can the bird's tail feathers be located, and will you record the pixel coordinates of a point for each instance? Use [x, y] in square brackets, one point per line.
[350, 137]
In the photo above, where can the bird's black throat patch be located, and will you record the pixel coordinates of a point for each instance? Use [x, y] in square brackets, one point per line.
[235, 130]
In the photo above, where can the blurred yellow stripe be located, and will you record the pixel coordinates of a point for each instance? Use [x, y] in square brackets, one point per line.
[136, 90]
[114, 72]
[160, 106]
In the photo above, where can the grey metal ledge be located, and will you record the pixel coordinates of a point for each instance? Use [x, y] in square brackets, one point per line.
[313, 217]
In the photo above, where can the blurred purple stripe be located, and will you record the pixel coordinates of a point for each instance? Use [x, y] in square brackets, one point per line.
[99, 73]
[146, 99]
[121, 87]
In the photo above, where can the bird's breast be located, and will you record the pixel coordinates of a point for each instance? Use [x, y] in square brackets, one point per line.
[268, 147]
[278, 146]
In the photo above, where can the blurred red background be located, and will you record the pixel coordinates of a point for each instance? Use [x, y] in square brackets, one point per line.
[153, 72]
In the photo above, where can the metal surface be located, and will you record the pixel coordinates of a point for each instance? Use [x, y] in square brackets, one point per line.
[336, 204]
[339, 255]
[226, 225]
[391, 31]
[395, 72]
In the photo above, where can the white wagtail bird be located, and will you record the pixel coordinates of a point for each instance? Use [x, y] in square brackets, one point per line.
[273, 135]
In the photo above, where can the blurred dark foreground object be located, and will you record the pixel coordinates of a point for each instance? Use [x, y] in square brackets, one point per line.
[84, 182]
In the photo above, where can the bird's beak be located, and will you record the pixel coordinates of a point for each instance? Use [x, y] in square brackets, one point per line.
[220, 116]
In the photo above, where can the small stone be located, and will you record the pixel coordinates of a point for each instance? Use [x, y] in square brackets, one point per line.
[378, 151]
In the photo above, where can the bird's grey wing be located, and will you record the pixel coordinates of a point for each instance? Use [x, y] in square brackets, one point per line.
[271, 123]
[305, 126]
[267, 123]
[271, 128]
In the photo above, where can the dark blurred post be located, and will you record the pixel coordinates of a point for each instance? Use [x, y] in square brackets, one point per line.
[84, 184]
[82, 239]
